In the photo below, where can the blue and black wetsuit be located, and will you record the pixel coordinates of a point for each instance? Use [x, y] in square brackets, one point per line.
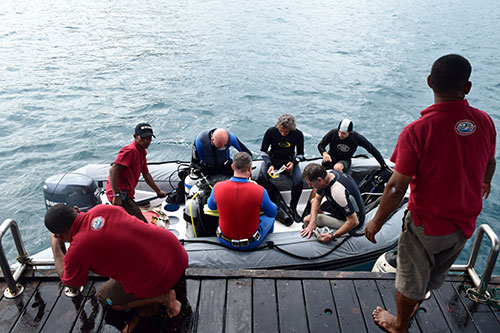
[212, 160]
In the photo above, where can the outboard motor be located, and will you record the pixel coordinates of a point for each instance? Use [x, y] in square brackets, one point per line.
[72, 189]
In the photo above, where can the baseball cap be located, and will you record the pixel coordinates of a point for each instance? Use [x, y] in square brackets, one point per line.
[144, 130]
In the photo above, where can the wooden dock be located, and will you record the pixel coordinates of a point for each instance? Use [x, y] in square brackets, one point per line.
[250, 301]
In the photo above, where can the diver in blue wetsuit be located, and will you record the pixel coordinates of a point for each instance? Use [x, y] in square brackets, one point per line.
[211, 151]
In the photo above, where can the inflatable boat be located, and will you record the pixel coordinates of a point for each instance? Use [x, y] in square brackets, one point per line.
[182, 213]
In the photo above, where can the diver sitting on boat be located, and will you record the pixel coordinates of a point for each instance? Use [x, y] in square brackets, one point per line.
[343, 142]
[345, 206]
[145, 263]
[282, 149]
[211, 151]
[239, 202]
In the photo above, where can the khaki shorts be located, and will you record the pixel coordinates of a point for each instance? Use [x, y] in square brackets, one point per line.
[329, 221]
[112, 293]
[423, 261]
[132, 208]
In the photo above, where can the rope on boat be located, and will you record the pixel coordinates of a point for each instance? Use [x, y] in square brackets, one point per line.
[271, 245]
[490, 299]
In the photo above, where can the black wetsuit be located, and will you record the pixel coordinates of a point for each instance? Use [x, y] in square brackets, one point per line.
[344, 199]
[343, 150]
[278, 150]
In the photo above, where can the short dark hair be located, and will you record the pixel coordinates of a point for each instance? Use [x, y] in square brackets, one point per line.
[314, 171]
[241, 161]
[60, 218]
[450, 73]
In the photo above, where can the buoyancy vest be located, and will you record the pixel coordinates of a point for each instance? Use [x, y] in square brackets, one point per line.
[207, 153]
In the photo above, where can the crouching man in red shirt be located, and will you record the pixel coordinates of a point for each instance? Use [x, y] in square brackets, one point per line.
[143, 261]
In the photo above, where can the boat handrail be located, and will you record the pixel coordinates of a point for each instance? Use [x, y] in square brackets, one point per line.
[13, 288]
[480, 283]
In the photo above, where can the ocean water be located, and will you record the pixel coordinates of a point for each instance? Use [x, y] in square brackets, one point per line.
[76, 77]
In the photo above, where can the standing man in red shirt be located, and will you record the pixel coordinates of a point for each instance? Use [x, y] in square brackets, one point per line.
[143, 261]
[126, 169]
[447, 157]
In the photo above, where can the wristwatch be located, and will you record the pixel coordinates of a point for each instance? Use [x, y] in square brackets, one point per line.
[116, 195]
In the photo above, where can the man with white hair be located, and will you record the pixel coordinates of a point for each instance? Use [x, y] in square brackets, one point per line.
[343, 143]
[211, 151]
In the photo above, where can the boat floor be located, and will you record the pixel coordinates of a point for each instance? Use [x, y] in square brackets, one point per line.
[246, 301]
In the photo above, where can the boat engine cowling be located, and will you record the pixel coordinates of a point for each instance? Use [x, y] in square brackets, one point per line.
[72, 189]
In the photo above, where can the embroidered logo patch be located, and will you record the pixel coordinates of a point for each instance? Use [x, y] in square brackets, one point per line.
[97, 223]
[465, 127]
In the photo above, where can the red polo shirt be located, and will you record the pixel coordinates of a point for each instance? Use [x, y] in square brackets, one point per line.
[146, 259]
[133, 158]
[445, 152]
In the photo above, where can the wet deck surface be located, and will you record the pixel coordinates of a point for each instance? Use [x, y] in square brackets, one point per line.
[251, 301]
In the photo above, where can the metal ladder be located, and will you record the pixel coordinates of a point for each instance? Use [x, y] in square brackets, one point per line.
[13, 288]
[480, 283]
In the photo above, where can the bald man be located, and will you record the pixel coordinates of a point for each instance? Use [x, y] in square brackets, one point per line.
[211, 151]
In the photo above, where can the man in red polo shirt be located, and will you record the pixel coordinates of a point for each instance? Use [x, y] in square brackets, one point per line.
[447, 156]
[144, 262]
[126, 169]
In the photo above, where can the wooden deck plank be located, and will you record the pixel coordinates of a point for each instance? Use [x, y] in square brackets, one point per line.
[92, 313]
[430, 318]
[348, 308]
[257, 301]
[38, 308]
[265, 306]
[13, 308]
[239, 305]
[321, 313]
[482, 315]
[192, 295]
[496, 311]
[211, 306]
[453, 309]
[65, 312]
[369, 298]
[291, 309]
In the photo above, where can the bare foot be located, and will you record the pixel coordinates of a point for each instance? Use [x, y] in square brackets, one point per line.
[385, 320]
[130, 326]
[173, 305]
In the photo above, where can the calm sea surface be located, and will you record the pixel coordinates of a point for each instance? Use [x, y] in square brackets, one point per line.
[76, 77]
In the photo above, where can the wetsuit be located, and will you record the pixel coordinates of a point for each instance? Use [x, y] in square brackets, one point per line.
[212, 160]
[278, 150]
[239, 203]
[343, 198]
[343, 150]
